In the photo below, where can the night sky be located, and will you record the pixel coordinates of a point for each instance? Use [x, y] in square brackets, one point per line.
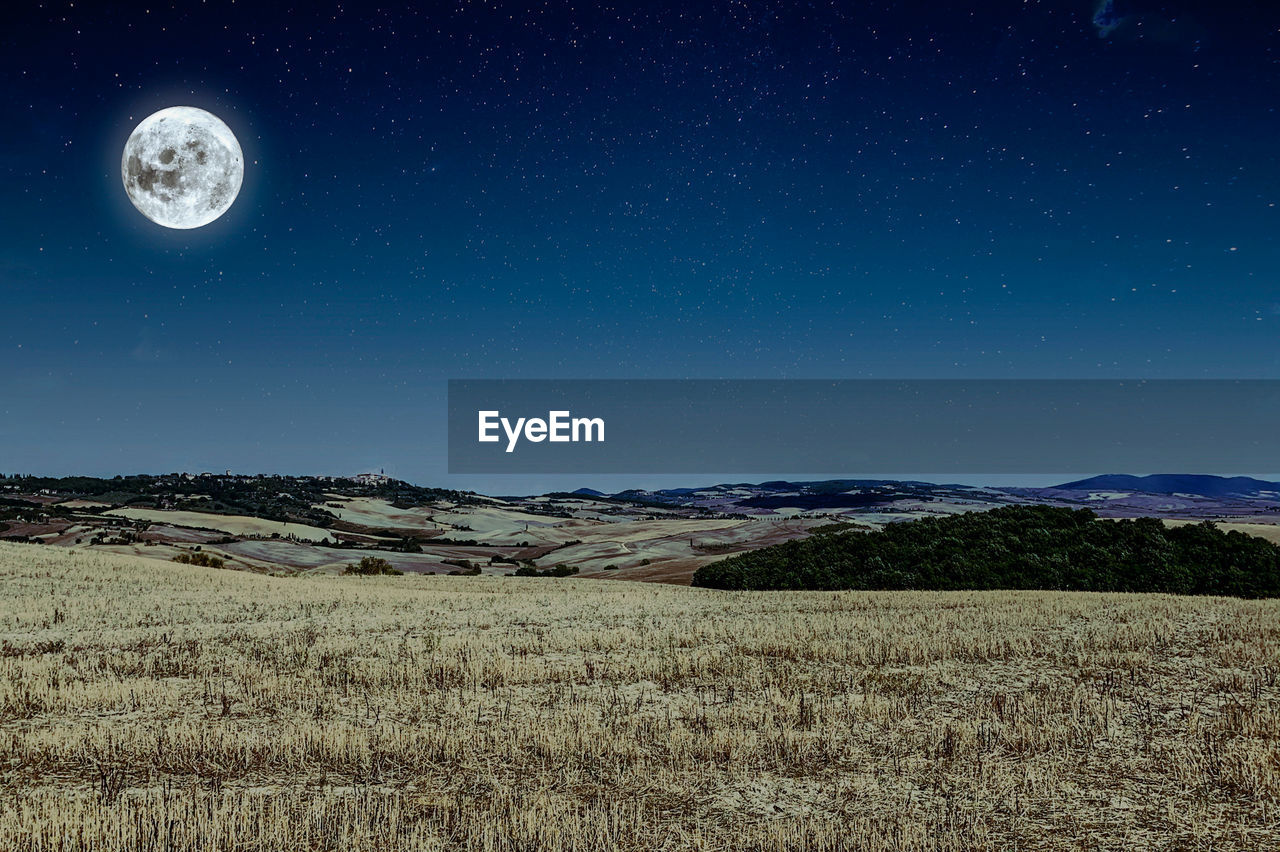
[737, 190]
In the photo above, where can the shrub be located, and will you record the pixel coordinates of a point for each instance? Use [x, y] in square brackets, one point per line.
[531, 570]
[371, 566]
[207, 560]
[465, 567]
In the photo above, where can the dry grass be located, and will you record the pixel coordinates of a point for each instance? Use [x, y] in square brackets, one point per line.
[148, 706]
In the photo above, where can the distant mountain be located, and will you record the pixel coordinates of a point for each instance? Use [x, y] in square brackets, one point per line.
[832, 495]
[824, 486]
[1183, 496]
[1175, 483]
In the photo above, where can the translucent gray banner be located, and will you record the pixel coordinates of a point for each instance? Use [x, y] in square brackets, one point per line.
[863, 426]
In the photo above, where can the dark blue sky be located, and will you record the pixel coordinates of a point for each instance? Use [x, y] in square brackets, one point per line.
[758, 189]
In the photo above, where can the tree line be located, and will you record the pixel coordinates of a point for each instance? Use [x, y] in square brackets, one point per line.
[1015, 547]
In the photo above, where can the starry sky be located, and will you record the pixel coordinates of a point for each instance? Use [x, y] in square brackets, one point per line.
[648, 190]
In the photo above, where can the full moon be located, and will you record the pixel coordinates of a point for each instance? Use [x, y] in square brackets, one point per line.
[182, 167]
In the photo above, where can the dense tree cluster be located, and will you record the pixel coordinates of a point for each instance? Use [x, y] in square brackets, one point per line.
[1015, 547]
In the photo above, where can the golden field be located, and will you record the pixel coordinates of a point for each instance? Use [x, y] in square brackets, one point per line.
[154, 706]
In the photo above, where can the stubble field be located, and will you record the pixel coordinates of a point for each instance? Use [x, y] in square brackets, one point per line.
[150, 706]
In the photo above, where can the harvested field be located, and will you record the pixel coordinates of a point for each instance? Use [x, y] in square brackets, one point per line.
[245, 525]
[148, 706]
[379, 514]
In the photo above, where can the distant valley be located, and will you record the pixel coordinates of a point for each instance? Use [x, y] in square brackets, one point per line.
[322, 524]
